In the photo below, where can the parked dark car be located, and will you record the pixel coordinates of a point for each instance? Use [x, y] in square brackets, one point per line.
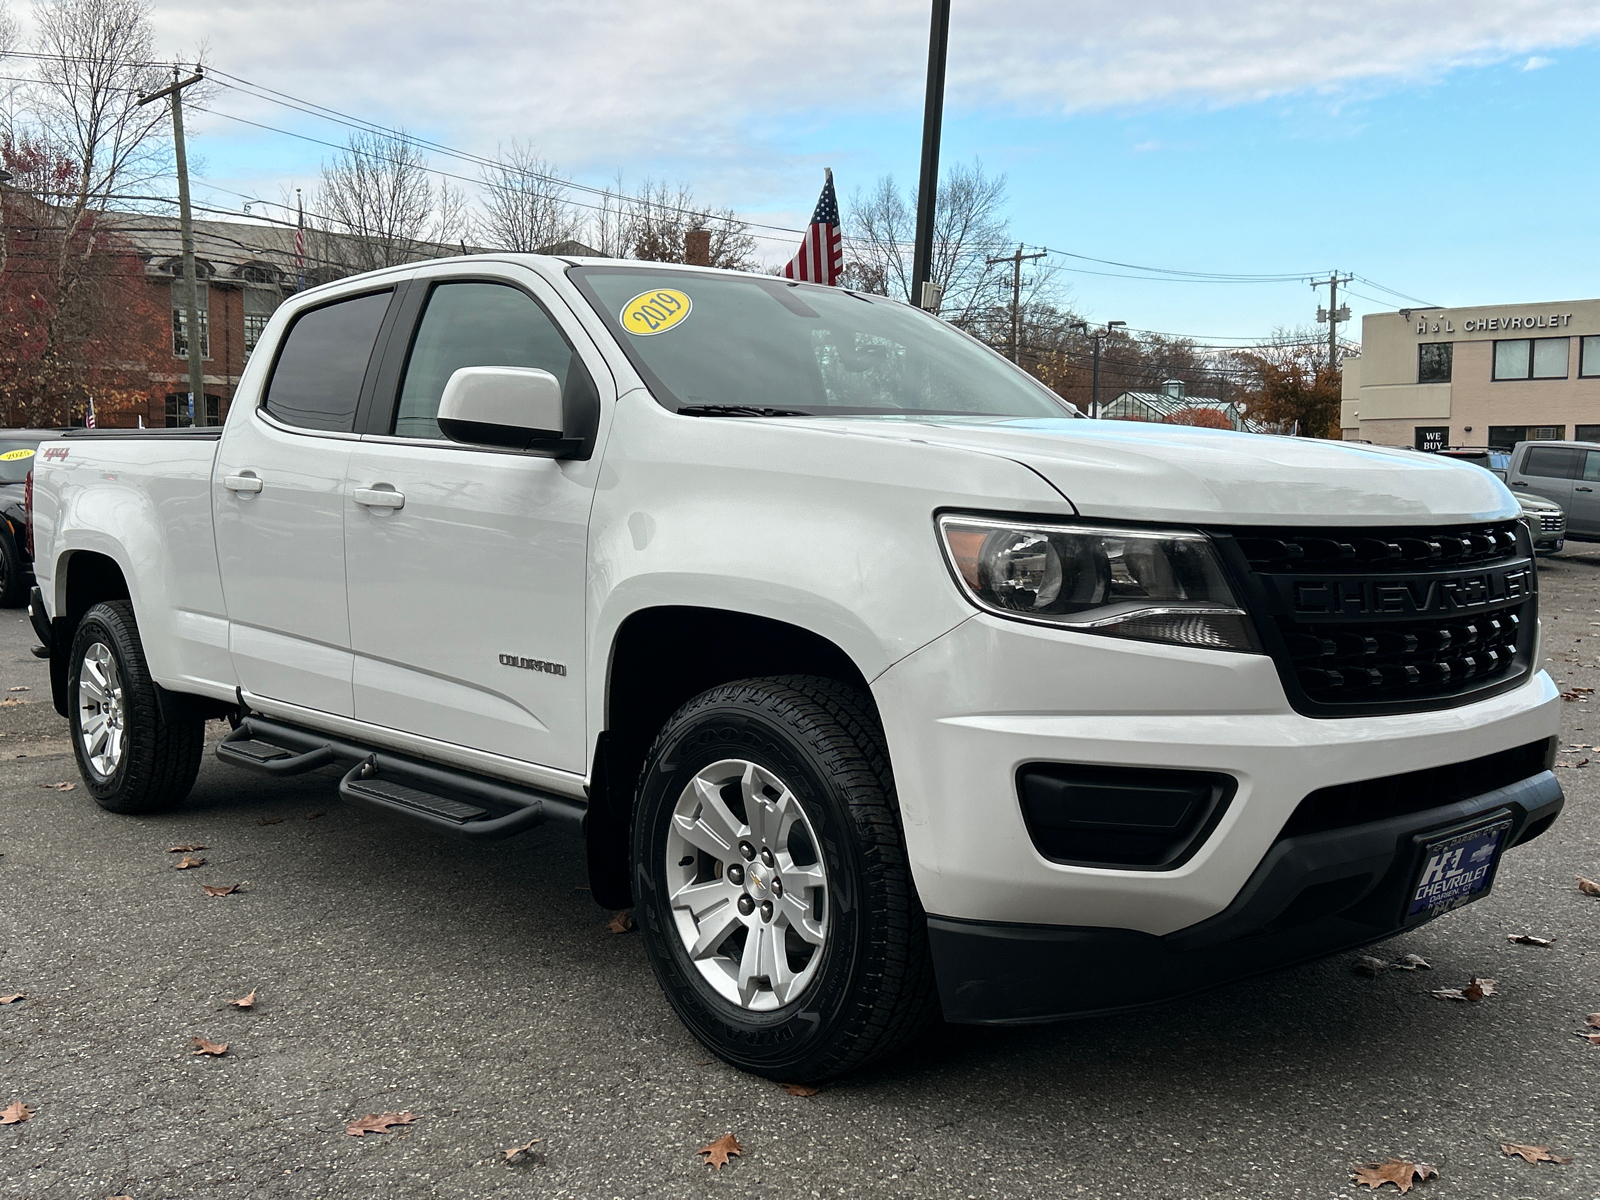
[17, 447]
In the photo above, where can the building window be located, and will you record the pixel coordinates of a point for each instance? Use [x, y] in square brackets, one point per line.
[178, 416]
[1589, 357]
[1547, 433]
[180, 339]
[1531, 358]
[1586, 433]
[1503, 437]
[254, 325]
[1433, 362]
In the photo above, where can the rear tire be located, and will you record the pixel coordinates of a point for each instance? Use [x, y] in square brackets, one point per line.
[132, 759]
[748, 785]
[13, 572]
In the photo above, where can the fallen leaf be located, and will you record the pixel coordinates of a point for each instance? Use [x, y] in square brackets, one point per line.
[214, 892]
[55, 787]
[245, 1001]
[1396, 1171]
[377, 1123]
[12, 999]
[1592, 1038]
[270, 821]
[189, 860]
[12, 702]
[1527, 939]
[15, 1113]
[1576, 693]
[1587, 886]
[621, 922]
[214, 1049]
[1474, 991]
[1592, 1020]
[800, 1089]
[186, 849]
[1369, 966]
[516, 1150]
[312, 816]
[1412, 962]
[19, 689]
[1533, 1154]
[717, 1152]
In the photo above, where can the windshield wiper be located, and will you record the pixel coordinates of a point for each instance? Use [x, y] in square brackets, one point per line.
[737, 410]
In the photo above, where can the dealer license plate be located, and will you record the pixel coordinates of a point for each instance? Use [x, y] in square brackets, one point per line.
[1456, 870]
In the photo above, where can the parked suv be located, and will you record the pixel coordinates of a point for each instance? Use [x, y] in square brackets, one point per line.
[880, 683]
[1564, 473]
[17, 450]
[1546, 521]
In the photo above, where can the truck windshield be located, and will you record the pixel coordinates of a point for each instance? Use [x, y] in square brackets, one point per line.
[750, 342]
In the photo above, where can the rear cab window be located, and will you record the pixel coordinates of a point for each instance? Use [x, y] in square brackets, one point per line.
[1550, 462]
[316, 381]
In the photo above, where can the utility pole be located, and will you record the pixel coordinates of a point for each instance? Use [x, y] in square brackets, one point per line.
[1016, 260]
[1333, 314]
[923, 292]
[191, 313]
[1094, 387]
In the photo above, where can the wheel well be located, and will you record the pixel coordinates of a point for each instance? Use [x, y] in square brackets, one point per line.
[91, 579]
[663, 657]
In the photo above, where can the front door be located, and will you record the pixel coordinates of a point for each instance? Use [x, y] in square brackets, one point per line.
[1547, 471]
[467, 564]
[1583, 513]
[278, 494]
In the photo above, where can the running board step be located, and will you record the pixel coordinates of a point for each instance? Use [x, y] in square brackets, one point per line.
[243, 749]
[399, 793]
[446, 798]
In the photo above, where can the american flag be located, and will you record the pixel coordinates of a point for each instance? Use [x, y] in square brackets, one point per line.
[89, 419]
[821, 256]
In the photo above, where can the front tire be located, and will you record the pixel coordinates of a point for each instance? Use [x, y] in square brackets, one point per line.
[132, 759]
[772, 883]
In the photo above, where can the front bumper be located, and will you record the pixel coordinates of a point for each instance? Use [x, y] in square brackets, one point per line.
[966, 712]
[1311, 896]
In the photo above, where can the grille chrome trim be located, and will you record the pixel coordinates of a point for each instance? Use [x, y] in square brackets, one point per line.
[1366, 621]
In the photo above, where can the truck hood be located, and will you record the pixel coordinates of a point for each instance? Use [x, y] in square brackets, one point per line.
[1134, 471]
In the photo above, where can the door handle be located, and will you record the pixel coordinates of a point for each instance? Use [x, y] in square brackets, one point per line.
[1518, 483]
[246, 482]
[379, 497]
[1582, 489]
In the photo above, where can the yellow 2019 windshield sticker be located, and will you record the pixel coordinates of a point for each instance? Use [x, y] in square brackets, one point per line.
[654, 312]
[13, 455]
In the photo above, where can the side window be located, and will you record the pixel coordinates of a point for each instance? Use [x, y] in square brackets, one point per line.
[1549, 462]
[1591, 466]
[478, 325]
[317, 379]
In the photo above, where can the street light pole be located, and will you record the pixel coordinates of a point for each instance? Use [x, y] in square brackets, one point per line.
[1094, 389]
[923, 295]
[191, 298]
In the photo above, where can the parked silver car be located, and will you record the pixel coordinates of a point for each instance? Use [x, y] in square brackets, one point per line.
[1563, 473]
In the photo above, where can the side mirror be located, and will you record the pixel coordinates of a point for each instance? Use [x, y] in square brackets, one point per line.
[501, 406]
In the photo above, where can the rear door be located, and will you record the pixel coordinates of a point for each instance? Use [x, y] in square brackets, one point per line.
[1583, 513]
[467, 565]
[1546, 471]
[278, 493]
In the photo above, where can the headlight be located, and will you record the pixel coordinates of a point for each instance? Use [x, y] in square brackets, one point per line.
[1153, 585]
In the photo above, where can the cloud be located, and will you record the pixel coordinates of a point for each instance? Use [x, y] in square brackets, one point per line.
[1536, 63]
[713, 82]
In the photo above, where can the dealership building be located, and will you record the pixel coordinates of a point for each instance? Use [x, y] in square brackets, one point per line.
[1491, 376]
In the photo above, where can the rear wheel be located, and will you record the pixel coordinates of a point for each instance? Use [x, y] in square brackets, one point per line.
[13, 573]
[772, 882]
[132, 759]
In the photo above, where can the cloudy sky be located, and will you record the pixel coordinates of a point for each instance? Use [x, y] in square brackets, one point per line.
[1447, 151]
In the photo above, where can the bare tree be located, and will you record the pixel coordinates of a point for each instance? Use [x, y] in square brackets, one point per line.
[657, 217]
[377, 193]
[969, 225]
[525, 204]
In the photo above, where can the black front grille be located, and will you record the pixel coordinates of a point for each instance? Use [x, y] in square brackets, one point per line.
[1383, 620]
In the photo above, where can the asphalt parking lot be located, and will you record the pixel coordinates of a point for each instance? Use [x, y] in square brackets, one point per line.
[479, 989]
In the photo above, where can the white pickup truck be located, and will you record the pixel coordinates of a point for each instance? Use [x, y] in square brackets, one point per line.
[878, 681]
